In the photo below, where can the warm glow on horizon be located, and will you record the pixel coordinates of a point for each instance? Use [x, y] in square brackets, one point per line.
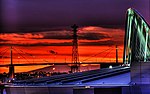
[96, 44]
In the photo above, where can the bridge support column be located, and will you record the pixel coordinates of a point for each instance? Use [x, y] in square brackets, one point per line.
[11, 71]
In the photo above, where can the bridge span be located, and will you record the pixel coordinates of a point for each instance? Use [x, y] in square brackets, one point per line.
[52, 64]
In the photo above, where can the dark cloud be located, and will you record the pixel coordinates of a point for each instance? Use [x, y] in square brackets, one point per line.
[114, 26]
[35, 15]
[2, 40]
[61, 35]
[68, 35]
[39, 44]
[93, 36]
[101, 43]
[97, 43]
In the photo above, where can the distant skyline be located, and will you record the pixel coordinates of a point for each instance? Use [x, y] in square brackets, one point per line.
[37, 26]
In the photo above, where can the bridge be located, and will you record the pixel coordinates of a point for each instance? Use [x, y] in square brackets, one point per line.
[116, 80]
[45, 62]
[52, 64]
[137, 51]
[137, 38]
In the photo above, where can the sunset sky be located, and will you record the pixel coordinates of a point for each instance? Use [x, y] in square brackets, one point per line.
[36, 27]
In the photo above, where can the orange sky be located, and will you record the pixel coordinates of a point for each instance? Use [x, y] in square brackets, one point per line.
[35, 46]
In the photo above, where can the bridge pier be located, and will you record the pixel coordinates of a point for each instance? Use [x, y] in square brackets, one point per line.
[11, 71]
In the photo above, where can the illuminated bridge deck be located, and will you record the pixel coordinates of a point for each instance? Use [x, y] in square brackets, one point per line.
[116, 75]
[109, 80]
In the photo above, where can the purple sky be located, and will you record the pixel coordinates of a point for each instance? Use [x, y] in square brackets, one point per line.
[41, 15]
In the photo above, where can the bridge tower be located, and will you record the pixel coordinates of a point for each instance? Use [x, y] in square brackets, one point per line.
[75, 55]
[11, 67]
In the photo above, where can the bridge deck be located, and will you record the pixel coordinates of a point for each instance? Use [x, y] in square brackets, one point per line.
[94, 77]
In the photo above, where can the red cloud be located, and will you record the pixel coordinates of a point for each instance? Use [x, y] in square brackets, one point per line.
[97, 39]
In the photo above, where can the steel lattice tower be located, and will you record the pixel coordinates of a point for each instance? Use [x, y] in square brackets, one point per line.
[75, 55]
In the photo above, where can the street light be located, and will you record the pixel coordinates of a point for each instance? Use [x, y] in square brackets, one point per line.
[53, 69]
